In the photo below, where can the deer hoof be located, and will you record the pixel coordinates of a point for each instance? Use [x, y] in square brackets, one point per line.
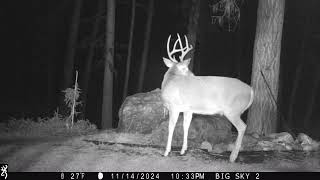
[166, 153]
[233, 157]
[182, 152]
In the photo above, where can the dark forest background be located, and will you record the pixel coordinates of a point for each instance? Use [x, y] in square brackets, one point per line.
[35, 34]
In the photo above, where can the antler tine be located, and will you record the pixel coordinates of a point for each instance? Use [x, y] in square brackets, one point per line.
[168, 50]
[175, 46]
[180, 43]
[187, 42]
[185, 50]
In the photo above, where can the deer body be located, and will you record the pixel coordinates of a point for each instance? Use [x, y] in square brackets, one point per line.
[184, 92]
[206, 94]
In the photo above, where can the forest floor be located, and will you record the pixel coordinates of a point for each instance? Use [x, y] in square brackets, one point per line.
[110, 151]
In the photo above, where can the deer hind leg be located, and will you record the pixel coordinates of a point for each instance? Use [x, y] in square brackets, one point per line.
[173, 117]
[241, 127]
[187, 117]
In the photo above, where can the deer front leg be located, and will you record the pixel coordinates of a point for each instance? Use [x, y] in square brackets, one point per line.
[173, 118]
[186, 124]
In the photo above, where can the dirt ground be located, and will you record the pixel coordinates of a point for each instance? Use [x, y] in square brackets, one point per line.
[109, 151]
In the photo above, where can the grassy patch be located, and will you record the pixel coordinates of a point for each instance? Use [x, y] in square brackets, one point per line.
[44, 127]
[57, 125]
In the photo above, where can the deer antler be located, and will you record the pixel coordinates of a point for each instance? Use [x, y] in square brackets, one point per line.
[186, 49]
[183, 50]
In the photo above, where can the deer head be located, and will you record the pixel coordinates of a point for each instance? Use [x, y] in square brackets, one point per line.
[177, 68]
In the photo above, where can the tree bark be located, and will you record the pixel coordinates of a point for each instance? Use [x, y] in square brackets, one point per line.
[71, 45]
[146, 46]
[262, 117]
[126, 81]
[89, 58]
[107, 113]
[193, 22]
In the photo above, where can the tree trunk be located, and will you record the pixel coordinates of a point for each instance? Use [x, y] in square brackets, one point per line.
[89, 59]
[107, 118]
[126, 81]
[193, 21]
[146, 46]
[71, 45]
[262, 117]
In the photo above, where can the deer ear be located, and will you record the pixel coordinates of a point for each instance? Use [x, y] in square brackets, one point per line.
[168, 62]
[186, 62]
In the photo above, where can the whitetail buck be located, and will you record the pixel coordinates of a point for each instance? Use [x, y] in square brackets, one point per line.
[182, 91]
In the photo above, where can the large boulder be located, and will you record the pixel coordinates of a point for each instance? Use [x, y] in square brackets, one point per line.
[145, 113]
[142, 113]
[212, 129]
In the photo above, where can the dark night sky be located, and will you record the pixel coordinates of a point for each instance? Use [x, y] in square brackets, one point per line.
[36, 31]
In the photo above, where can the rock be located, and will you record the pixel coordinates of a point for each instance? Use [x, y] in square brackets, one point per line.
[317, 146]
[206, 145]
[277, 142]
[145, 113]
[231, 146]
[266, 145]
[249, 141]
[142, 113]
[307, 147]
[221, 147]
[257, 148]
[202, 128]
[304, 139]
[279, 147]
[214, 129]
[281, 137]
[310, 147]
[307, 143]
[255, 135]
[288, 147]
[296, 146]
